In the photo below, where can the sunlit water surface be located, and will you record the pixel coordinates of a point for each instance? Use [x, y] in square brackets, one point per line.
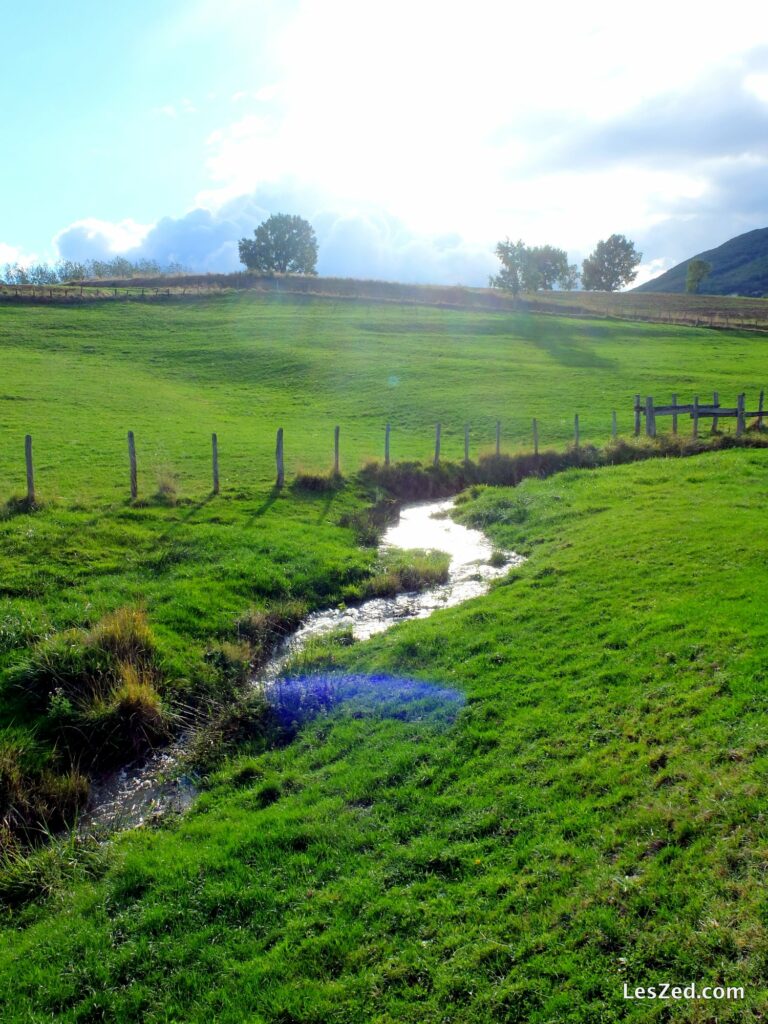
[138, 793]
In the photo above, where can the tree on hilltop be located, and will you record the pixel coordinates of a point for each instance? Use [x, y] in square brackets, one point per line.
[283, 244]
[612, 265]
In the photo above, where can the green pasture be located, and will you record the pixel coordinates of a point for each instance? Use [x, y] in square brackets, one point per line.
[77, 378]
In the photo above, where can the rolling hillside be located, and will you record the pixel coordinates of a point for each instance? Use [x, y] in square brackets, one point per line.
[739, 267]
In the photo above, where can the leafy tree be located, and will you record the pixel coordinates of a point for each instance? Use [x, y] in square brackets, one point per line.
[512, 256]
[613, 264]
[528, 269]
[697, 271]
[283, 244]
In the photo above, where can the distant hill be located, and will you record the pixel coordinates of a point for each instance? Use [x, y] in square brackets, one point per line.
[739, 267]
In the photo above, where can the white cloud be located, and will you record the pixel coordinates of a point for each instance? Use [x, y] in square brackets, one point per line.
[757, 84]
[653, 268]
[11, 254]
[95, 239]
[388, 127]
[434, 113]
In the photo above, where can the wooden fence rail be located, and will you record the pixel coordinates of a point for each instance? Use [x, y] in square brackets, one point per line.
[698, 411]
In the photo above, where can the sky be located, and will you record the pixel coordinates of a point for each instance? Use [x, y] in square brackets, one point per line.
[412, 135]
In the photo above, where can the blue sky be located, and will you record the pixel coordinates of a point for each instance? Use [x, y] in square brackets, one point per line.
[413, 135]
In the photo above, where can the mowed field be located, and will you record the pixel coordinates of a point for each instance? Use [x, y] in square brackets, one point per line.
[78, 378]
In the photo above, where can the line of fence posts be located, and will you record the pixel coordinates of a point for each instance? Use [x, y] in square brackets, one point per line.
[649, 409]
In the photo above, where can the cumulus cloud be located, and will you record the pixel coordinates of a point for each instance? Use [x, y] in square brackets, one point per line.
[10, 254]
[365, 243]
[99, 239]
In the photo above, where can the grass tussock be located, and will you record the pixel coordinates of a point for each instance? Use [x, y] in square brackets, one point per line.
[34, 875]
[317, 483]
[98, 689]
[33, 798]
[368, 524]
[320, 653]
[399, 572]
[232, 662]
[18, 506]
[125, 635]
[264, 628]
[167, 487]
[245, 725]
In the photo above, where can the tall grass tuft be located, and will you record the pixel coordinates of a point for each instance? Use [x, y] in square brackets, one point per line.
[35, 797]
[401, 572]
[49, 870]
[265, 628]
[167, 486]
[125, 635]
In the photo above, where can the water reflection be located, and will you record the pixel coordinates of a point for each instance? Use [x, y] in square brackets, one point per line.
[137, 793]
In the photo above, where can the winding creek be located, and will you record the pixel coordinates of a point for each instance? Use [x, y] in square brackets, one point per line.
[138, 793]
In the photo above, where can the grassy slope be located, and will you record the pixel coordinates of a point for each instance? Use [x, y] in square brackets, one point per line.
[594, 815]
[78, 378]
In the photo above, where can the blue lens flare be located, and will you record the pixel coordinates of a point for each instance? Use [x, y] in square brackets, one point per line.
[300, 698]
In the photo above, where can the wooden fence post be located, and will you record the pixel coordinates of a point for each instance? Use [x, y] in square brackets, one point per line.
[674, 415]
[466, 442]
[650, 418]
[498, 437]
[30, 470]
[132, 461]
[614, 425]
[760, 411]
[335, 451]
[437, 444]
[716, 403]
[576, 431]
[386, 445]
[279, 458]
[637, 415]
[535, 438]
[696, 416]
[215, 453]
[741, 421]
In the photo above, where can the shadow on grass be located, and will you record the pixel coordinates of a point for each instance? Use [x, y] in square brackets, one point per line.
[17, 506]
[268, 502]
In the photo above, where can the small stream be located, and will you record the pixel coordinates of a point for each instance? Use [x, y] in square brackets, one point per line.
[140, 792]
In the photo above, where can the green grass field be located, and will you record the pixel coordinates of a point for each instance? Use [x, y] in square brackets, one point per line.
[592, 815]
[78, 378]
[586, 808]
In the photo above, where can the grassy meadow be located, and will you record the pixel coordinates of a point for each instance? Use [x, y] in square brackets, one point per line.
[578, 801]
[590, 814]
[78, 378]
